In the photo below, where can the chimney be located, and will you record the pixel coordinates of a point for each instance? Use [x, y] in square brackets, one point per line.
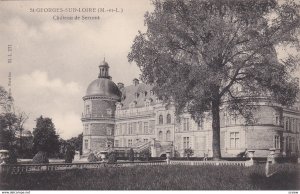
[135, 81]
[120, 85]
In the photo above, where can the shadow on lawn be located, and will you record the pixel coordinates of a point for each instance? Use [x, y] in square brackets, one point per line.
[279, 181]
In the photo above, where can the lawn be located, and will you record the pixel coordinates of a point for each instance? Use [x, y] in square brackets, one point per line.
[159, 178]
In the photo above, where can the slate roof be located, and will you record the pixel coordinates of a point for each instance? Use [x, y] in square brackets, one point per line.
[129, 95]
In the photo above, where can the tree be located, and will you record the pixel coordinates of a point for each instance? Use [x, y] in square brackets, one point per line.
[7, 130]
[76, 142]
[131, 155]
[70, 153]
[45, 138]
[196, 53]
[4, 99]
[188, 152]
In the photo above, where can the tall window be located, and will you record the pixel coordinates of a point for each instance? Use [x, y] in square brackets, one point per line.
[108, 131]
[160, 136]
[186, 142]
[277, 142]
[151, 126]
[277, 120]
[116, 143]
[140, 127]
[86, 128]
[234, 139]
[168, 135]
[86, 144]
[87, 109]
[134, 131]
[117, 129]
[186, 124]
[146, 128]
[129, 128]
[293, 144]
[168, 118]
[129, 142]
[160, 119]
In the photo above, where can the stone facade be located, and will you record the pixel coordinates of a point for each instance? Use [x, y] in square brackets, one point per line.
[139, 120]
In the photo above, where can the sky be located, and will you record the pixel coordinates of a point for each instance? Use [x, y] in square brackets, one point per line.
[53, 61]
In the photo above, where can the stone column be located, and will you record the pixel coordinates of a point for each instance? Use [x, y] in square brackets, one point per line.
[103, 155]
[250, 155]
[168, 153]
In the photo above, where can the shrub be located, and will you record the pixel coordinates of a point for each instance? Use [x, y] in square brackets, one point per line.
[40, 157]
[131, 155]
[12, 157]
[92, 158]
[112, 158]
[188, 152]
[145, 155]
[69, 156]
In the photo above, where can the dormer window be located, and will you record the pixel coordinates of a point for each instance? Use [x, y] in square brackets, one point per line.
[119, 106]
[132, 104]
[87, 109]
[109, 111]
[135, 82]
[148, 102]
[123, 97]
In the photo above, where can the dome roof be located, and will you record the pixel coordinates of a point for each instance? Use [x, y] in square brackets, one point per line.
[103, 87]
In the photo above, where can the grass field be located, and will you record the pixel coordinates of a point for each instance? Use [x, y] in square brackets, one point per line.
[159, 178]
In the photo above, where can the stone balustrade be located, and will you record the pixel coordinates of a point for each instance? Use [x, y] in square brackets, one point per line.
[215, 163]
[34, 168]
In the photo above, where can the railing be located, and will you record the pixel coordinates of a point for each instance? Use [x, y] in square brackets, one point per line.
[37, 168]
[215, 163]
[134, 113]
[96, 116]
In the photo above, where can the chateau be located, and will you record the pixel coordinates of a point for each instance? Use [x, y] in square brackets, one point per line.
[118, 117]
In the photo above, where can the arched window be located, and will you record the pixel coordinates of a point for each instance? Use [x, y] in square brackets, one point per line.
[168, 135]
[160, 119]
[168, 118]
[160, 136]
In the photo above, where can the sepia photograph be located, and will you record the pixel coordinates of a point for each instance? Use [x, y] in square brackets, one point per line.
[156, 95]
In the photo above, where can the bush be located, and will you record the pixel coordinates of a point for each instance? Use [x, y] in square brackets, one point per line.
[69, 156]
[40, 157]
[145, 155]
[131, 155]
[112, 158]
[92, 158]
[12, 157]
[188, 152]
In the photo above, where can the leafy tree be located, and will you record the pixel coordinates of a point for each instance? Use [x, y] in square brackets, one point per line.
[76, 143]
[70, 153]
[45, 138]
[112, 157]
[7, 130]
[131, 155]
[4, 99]
[196, 53]
[188, 152]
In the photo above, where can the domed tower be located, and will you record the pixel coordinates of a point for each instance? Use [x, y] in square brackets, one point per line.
[98, 117]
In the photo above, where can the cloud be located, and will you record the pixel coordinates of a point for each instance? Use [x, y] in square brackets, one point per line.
[67, 124]
[38, 94]
[39, 80]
